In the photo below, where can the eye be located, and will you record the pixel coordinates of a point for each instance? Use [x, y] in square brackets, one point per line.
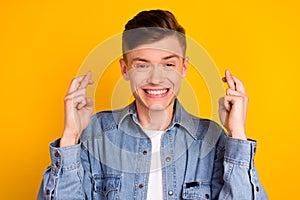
[169, 65]
[142, 66]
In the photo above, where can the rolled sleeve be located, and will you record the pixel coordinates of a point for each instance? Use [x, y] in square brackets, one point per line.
[240, 175]
[65, 158]
[240, 152]
[62, 179]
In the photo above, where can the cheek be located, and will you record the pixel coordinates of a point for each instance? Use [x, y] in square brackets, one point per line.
[136, 80]
[175, 78]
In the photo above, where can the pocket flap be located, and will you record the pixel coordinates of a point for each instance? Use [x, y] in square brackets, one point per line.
[196, 190]
[106, 183]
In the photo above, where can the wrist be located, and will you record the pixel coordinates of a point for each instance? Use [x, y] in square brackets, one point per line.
[64, 142]
[238, 134]
[69, 139]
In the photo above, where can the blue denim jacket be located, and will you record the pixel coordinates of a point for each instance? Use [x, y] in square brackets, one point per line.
[112, 161]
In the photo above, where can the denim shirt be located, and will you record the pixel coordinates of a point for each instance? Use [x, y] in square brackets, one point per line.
[112, 161]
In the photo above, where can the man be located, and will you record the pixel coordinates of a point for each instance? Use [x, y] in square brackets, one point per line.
[153, 148]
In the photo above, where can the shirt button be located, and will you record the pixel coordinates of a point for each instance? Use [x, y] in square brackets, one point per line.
[170, 193]
[168, 159]
[56, 154]
[257, 189]
[145, 152]
[57, 164]
[141, 186]
[207, 196]
[47, 192]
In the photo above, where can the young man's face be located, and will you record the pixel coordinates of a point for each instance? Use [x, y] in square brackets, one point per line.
[155, 71]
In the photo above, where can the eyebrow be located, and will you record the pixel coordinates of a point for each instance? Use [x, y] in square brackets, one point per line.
[140, 59]
[171, 56]
[164, 58]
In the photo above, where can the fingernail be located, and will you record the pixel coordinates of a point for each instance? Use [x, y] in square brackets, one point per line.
[227, 72]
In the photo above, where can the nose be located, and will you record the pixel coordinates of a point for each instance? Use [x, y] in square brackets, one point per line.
[156, 75]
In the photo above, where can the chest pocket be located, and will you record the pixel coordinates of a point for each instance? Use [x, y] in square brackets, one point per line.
[196, 190]
[106, 186]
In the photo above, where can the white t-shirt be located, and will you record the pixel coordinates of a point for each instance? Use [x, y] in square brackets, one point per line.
[155, 184]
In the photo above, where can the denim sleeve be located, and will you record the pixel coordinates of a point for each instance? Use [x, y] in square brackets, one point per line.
[63, 179]
[240, 178]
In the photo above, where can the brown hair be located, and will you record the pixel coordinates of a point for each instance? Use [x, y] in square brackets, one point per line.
[151, 26]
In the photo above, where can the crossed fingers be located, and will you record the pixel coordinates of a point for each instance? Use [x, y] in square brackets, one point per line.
[80, 82]
[77, 90]
[234, 84]
[235, 90]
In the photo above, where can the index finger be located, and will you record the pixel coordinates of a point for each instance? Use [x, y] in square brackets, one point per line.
[239, 85]
[86, 80]
[77, 82]
[229, 80]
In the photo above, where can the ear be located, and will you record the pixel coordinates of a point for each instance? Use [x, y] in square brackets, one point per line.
[185, 67]
[123, 68]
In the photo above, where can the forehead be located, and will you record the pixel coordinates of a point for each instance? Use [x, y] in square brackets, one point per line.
[162, 48]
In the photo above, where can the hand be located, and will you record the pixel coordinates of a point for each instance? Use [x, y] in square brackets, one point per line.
[233, 107]
[78, 110]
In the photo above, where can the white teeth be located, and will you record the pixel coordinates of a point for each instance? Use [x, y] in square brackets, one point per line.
[156, 92]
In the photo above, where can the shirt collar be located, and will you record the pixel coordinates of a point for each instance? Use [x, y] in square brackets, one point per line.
[181, 117]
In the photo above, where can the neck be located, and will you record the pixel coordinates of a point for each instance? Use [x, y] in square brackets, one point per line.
[155, 119]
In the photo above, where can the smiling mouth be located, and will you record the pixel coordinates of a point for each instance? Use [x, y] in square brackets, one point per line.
[156, 92]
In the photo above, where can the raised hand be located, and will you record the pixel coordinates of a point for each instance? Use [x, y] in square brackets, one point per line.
[78, 110]
[233, 107]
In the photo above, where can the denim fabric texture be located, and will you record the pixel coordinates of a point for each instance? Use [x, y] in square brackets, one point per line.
[112, 161]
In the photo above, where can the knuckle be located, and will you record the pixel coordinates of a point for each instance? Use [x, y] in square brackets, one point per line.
[82, 90]
[73, 80]
[240, 98]
[228, 91]
[66, 98]
[68, 102]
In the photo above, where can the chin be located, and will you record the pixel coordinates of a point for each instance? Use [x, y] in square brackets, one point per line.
[157, 107]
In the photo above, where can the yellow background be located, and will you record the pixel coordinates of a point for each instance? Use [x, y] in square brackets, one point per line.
[43, 44]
